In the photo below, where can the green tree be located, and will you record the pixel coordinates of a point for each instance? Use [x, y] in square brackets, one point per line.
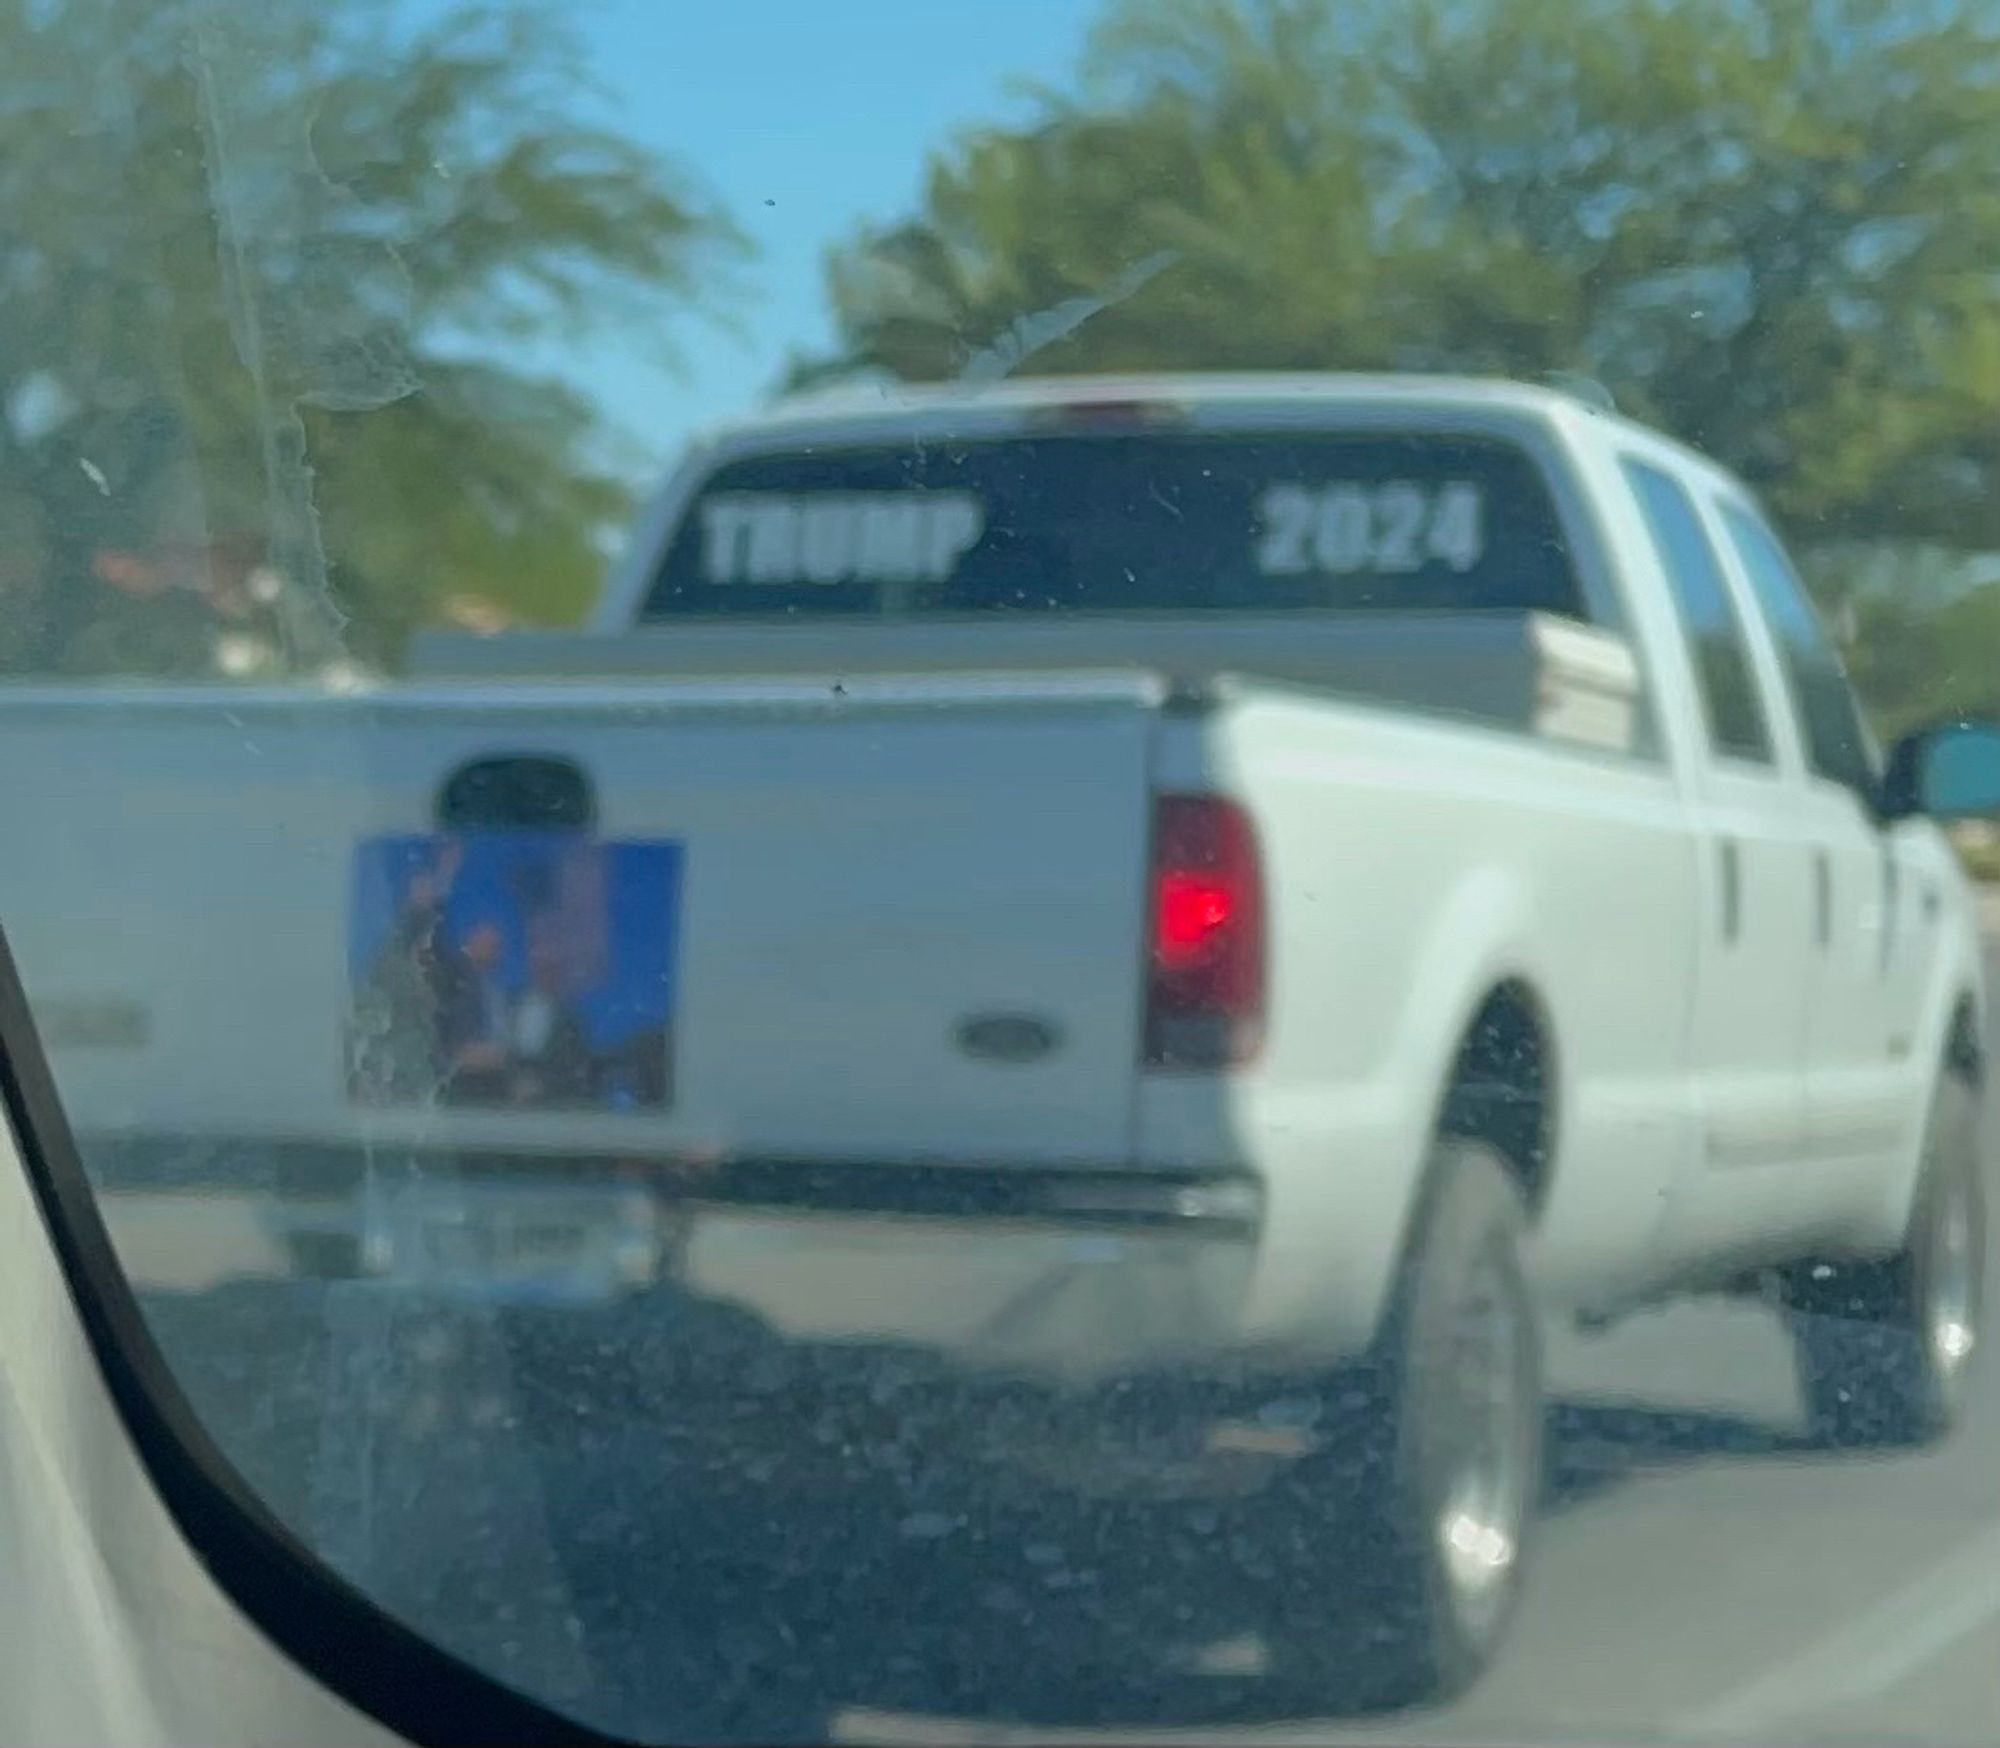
[1766, 225]
[267, 271]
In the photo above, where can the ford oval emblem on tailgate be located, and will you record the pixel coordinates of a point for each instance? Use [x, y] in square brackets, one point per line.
[1007, 1037]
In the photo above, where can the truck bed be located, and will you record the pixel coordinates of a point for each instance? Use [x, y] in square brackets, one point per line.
[1530, 671]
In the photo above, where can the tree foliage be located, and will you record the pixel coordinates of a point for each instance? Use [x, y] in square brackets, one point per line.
[1769, 226]
[265, 270]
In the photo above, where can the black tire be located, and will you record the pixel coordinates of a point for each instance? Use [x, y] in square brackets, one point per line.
[1885, 1348]
[1447, 1424]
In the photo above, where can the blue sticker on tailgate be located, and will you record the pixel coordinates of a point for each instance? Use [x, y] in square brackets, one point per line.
[523, 970]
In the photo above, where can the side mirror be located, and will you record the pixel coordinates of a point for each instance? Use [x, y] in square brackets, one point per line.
[1949, 771]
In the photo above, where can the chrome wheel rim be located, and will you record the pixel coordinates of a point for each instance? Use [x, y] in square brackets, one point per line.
[1483, 1502]
[1951, 1314]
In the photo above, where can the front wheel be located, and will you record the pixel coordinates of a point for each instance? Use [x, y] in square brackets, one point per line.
[1422, 1526]
[1885, 1348]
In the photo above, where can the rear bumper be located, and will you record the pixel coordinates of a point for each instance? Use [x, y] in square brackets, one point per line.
[1182, 1201]
[1068, 1276]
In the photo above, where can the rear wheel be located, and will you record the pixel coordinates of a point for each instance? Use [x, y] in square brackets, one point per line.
[1419, 1519]
[1885, 1348]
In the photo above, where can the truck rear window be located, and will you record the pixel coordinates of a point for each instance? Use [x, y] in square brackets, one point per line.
[1122, 523]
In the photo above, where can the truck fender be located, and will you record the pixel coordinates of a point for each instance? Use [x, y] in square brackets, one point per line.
[1484, 940]
[1957, 989]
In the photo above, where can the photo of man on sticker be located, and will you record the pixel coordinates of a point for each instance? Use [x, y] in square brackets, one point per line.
[514, 969]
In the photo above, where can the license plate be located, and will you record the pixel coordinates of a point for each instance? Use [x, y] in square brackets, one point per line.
[504, 1244]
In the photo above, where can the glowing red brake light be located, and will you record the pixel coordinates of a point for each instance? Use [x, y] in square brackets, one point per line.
[1191, 913]
[1205, 975]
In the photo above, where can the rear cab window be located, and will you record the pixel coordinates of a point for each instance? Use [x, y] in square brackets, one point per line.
[1126, 523]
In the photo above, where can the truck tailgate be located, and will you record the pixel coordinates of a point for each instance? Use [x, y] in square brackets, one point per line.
[901, 920]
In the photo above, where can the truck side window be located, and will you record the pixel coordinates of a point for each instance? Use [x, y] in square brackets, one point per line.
[1731, 701]
[1836, 741]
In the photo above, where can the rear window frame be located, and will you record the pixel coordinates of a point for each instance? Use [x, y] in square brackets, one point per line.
[1093, 478]
[1534, 428]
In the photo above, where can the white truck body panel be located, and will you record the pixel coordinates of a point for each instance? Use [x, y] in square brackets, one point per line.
[1555, 678]
[852, 866]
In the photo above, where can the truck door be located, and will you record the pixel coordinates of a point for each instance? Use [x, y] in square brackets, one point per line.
[1747, 1028]
[1863, 1087]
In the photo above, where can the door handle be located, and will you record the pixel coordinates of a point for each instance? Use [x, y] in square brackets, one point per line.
[1732, 889]
[1822, 899]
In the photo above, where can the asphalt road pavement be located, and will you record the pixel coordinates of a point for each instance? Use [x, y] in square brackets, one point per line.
[610, 1508]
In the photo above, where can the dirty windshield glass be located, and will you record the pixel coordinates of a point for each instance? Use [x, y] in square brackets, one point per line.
[944, 871]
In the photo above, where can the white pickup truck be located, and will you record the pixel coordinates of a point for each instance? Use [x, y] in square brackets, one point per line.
[1278, 881]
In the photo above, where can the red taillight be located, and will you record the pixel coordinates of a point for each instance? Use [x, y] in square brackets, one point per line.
[1191, 911]
[1205, 971]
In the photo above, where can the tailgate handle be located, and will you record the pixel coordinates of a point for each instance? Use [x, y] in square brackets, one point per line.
[518, 791]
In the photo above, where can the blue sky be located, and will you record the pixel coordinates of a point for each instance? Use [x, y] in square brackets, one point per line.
[802, 118]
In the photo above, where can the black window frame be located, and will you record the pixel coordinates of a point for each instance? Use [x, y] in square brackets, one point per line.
[328, 1629]
[1642, 475]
